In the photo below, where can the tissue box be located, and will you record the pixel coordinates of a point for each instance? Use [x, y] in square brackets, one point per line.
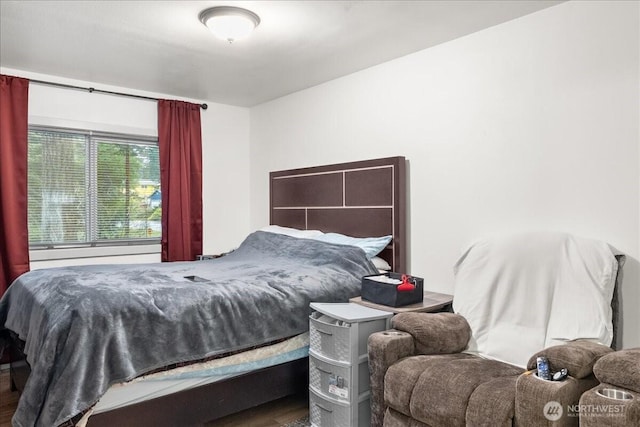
[387, 294]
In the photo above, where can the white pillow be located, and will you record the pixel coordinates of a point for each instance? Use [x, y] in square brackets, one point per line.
[293, 232]
[371, 246]
[380, 264]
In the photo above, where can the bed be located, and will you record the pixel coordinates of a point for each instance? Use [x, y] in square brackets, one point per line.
[358, 199]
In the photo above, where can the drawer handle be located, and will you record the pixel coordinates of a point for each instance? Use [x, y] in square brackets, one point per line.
[323, 408]
[324, 332]
[323, 370]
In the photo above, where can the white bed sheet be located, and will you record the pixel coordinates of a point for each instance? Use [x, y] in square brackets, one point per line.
[183, 378]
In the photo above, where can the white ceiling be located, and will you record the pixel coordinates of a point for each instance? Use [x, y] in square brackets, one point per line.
[160, 46]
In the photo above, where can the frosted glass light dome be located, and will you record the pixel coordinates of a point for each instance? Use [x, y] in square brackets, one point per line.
[229, 23]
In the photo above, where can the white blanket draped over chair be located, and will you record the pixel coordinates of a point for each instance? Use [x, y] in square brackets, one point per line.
[521, 293]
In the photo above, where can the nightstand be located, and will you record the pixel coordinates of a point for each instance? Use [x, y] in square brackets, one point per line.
[432, 302]
[338, 363]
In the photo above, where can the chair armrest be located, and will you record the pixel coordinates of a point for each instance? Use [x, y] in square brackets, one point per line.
[577, 356]
[620, 368]
[385, 348]
[544, 403]
[435, 333]
[415, 333]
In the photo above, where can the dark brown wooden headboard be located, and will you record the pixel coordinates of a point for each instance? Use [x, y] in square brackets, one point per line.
[360, 199]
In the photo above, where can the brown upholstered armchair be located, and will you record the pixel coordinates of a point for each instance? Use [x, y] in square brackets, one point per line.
[616, 401]
[469, 367]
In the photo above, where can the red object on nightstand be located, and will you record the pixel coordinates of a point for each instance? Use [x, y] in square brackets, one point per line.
[405, 286]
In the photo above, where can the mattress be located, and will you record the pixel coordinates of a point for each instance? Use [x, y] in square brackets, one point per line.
[171, 381]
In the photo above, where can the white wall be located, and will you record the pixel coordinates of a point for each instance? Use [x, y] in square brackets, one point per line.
[532, 124]
[225, 151]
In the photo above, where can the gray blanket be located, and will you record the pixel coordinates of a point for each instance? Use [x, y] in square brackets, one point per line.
[88, 327]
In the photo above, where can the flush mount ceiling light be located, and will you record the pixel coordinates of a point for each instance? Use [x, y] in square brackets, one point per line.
[228, 22]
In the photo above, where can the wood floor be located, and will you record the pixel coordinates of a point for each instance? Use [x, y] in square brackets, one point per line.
[275, 414]
[8, 400]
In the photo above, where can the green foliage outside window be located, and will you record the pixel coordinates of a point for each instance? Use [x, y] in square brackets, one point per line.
[92, 189]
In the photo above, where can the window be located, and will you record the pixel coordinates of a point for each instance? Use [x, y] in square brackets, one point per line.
[90, 188]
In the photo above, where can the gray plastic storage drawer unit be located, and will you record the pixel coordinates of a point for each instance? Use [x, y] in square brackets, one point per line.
[338, 363]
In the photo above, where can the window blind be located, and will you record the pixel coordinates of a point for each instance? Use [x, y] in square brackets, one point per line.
[92, 188]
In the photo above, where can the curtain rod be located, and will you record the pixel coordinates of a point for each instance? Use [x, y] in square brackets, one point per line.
[91, 89]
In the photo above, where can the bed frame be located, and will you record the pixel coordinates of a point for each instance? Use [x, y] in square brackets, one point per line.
[365, 198]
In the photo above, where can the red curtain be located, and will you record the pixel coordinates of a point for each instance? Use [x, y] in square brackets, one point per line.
[180, 146]
[14, 234]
